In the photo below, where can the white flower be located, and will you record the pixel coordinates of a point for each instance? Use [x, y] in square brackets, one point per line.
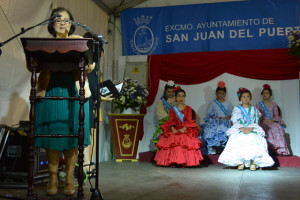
[170, 83]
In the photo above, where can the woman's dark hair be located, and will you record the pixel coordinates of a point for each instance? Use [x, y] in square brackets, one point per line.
[245, 91]
[180, 90]
[166, 88]
[269, 89]
[51, 29]
[220, 89]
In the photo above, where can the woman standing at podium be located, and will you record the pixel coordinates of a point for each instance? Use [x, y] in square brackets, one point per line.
[61, 117]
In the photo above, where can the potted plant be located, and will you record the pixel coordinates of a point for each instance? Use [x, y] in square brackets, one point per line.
[133, 96]
[294, 44]
[127, 129]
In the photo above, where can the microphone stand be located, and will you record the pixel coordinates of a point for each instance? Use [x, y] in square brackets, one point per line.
[96, 194]
[96, 36]
[22, 32]
[98, 40]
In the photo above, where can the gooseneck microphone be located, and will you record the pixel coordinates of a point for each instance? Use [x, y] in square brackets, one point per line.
[95, 35]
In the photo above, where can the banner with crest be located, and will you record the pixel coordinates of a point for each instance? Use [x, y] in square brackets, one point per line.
[227, 26]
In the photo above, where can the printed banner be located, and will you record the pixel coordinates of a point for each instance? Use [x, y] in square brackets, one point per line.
[244, 25]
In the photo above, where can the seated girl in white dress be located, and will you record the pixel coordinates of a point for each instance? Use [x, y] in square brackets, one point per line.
[217, 122]
[246, 145]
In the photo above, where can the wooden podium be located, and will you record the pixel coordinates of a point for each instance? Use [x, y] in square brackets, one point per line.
[127, 131]
[56, 54]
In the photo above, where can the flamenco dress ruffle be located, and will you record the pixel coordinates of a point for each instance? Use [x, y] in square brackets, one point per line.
[213, 132]
[179, 148]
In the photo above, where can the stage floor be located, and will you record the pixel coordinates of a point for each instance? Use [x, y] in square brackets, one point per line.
[146, 181]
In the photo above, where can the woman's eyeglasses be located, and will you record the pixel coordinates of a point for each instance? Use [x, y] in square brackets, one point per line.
[66, 21]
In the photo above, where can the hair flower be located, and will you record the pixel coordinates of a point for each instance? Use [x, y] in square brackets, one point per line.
[221, 84]
[177, 88]
[171, 83]
[241, 89]
[266, 86]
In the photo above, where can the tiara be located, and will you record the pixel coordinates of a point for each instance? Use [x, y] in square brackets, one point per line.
[221, 84]
[266, 86]
[240, 90]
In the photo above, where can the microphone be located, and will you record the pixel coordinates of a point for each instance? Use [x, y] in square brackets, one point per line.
[75, 23]
[95, 35]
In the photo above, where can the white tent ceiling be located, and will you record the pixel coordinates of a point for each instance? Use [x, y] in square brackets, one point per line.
[114, 7]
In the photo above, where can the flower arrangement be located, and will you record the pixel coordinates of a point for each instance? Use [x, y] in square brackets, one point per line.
[133, 95]
[294, 43]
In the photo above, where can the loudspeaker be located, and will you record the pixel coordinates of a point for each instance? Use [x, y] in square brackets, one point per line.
[14, 154]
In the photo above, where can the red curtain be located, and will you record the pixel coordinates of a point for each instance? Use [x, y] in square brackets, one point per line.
[199, 67]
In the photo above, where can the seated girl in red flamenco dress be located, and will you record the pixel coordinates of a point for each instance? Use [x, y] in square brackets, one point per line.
[179, 144]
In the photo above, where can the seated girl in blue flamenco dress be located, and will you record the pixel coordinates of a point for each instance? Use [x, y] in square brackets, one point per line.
[246, 146]
[179, 144]
[217, 122]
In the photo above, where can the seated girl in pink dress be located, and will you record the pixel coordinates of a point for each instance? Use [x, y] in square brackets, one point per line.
[272, 124]
[179, 144]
